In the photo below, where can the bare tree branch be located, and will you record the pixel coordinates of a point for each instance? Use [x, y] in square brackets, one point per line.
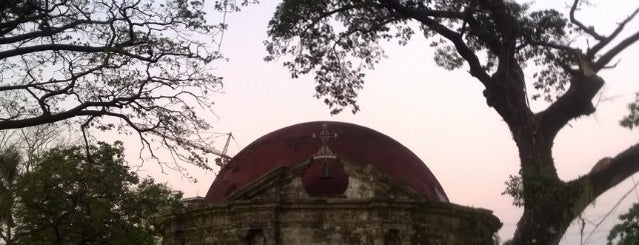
[608, 56]
[576, 102]
[422, 16]
[589, 30]
[609, 172]
[139, 62]
[602, 43]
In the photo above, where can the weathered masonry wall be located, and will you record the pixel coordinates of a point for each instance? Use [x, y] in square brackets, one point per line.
[329, 221]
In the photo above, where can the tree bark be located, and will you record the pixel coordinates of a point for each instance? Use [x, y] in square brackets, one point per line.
[553, 205]
[540, 225]
[549, 204]
[545, 217]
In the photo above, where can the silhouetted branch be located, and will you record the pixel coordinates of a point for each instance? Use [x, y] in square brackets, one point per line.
[602, 43]
[423, 16]
[589, 30]
[139, 62]
[609, 172]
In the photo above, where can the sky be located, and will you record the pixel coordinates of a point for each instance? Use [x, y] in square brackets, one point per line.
[440, 115]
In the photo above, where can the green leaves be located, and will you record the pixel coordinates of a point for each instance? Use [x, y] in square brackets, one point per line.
[632, 119]
[626, 232]
[334, 40]
[338, 40]
[515, 189]
[70, 198]
[448, 58]
[9, 176]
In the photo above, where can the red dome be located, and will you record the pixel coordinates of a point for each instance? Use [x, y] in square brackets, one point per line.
[294, 144]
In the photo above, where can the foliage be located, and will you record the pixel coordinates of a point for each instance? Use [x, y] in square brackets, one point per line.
[18, 151]
[339, 39]
[515, 190]
[67, 198]
[627, 232]
[632, 119]
[498, 41]
[9, 159]
[133, 66]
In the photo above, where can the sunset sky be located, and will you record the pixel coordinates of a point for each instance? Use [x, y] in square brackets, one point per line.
[440, 115]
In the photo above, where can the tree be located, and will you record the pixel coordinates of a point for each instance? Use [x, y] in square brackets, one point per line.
[18, 151]
[133, 66]
[627, 232]
[497, 41]
[9, 159]
[68, 198]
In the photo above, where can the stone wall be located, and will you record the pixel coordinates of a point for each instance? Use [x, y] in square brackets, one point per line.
[329, 221]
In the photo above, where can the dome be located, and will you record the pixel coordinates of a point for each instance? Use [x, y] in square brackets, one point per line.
[295, 144]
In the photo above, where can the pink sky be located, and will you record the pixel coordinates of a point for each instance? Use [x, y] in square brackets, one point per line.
[440, 115]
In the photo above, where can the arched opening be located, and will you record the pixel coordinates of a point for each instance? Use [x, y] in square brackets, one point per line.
[392, 237]
[255, 237]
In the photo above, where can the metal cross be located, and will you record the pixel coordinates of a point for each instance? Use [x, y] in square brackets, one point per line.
[324, 151]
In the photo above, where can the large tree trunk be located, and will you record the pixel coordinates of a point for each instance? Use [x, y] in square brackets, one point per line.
[549, 204]
[548, 214]
[541, 225]
[545, 217]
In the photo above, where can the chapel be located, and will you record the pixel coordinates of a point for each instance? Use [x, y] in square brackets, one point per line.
[326, 183]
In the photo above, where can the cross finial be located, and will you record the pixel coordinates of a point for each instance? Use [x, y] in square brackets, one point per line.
[325, 151]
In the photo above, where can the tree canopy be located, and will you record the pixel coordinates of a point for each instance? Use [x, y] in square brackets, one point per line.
[626, 232]
[501, 44]
[67, 198]
[140, 67]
